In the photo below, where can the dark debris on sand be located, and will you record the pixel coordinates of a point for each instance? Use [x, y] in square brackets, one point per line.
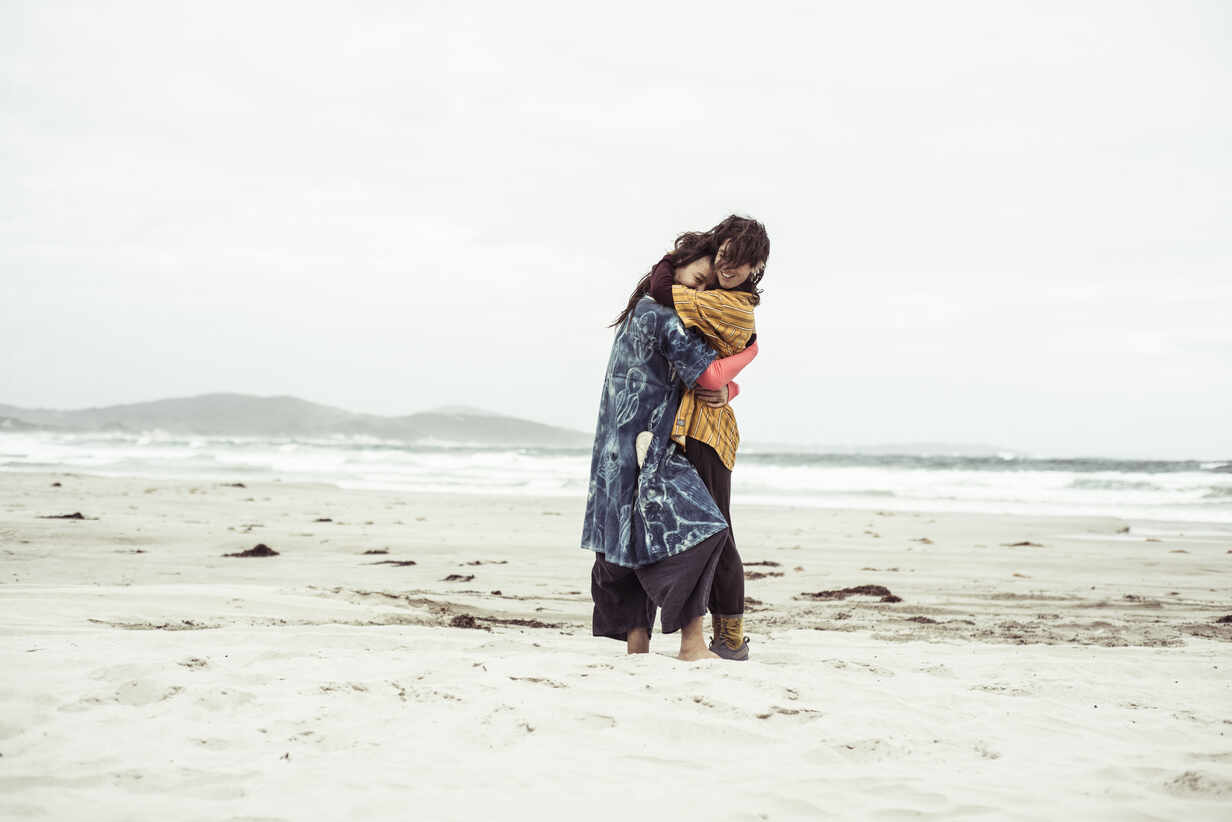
[377, 551]
[551, 683]
[323, 519]
[1145, 602]
[182, 625]
[401, 563]
[858, 590]
[766, 562]
[1224, 620]
[524, 623]
[74, 515]
[1023, 544]
[467, 621]
[458, 578]
[762, 574]
[258, 550]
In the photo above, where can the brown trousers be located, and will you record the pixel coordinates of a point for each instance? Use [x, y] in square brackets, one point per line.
[627, 598]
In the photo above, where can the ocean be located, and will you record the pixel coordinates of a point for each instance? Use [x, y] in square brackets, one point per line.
[1171, 491]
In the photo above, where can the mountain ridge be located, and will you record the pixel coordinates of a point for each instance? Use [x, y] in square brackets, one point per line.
[251, 415]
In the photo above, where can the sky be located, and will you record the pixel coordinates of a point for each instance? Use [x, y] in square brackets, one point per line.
[992, 223]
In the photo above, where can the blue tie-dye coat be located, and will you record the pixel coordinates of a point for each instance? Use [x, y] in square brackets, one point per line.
[639, 517]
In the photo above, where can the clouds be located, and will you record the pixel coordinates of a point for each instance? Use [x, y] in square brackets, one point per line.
[1028, 198]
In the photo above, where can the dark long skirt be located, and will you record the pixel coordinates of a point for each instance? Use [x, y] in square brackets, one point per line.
[727, 594]
[627, 598]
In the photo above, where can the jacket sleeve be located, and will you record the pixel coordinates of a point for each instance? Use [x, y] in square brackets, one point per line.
[725, 316]
[661, 279]
[685, 350]
[721, 372]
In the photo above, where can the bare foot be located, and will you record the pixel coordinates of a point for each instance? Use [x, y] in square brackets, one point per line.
[638, 641]
[693, 643]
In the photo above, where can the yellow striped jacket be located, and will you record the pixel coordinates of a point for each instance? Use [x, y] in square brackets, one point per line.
[725, 319]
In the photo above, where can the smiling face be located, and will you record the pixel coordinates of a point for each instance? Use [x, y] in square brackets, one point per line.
[729, 276]
[698, 275]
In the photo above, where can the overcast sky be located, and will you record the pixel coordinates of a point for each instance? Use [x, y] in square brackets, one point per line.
[1002, 223]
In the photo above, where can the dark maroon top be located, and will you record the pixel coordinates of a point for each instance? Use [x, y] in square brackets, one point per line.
[662, 277]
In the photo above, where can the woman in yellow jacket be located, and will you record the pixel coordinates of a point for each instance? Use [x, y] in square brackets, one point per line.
[731, 256]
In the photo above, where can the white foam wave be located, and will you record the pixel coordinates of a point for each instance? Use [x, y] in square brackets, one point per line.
[370, 463]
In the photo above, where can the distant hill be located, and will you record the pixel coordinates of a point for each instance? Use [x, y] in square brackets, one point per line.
[11, 424]
[247, 415]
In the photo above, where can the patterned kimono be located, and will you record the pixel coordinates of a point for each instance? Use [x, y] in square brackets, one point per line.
[639, 517]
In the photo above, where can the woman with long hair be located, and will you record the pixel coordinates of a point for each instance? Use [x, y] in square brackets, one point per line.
[656, 531]
[705, 426]
[746, 247]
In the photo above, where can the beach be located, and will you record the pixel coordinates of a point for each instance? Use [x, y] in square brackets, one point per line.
[410, 655]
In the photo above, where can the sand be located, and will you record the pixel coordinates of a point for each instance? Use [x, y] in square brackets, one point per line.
[1084, 675]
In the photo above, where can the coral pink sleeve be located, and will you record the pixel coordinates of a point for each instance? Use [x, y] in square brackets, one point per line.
[723, 371]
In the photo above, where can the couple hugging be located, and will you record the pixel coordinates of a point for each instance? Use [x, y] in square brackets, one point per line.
[657, 509]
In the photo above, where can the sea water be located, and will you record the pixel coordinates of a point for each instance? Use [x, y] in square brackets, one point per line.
[1181, 491]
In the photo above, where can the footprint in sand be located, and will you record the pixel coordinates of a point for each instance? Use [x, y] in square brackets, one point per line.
[134, 693]
[144, 692]
[596, 722]
[224, 700]
[939, 670]
[985, 751]
[214, 743]
[801, 713]
[1001, 689]
[862, 750]
[843, 664]
[191, 783]
[1197, 785]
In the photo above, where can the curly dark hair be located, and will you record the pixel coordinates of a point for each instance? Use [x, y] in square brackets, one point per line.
[747, 242]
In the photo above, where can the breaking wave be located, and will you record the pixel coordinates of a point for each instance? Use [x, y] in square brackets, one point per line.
[1177, 490]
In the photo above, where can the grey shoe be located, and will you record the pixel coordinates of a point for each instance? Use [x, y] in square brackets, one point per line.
[721, 648]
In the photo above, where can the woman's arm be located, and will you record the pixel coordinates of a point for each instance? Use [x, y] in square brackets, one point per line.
[724, 317]
[661, 279]
[719, 398]
[721, 372]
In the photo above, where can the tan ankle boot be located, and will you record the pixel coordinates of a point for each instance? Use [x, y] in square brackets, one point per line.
[729, 640]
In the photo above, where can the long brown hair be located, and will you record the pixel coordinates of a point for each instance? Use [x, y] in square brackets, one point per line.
[749, 243]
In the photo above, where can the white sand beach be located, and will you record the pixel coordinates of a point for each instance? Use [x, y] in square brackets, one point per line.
[1032, 668]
